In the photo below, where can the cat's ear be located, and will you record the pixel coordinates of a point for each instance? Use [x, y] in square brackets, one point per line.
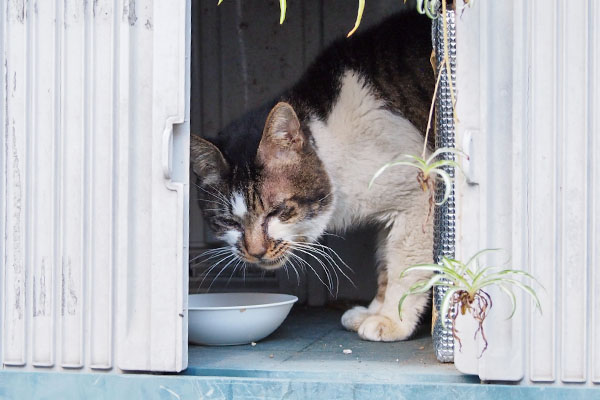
[207, 161]
[282, 133]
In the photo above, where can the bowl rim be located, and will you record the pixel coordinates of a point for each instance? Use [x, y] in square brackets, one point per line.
[292, 299]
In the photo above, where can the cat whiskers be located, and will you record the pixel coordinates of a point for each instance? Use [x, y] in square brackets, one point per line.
[224, 258]
[333, 234]
[210, 254]
[303, 262]
[291, 264]
[318, 251]
[328, 249]
[225, 254]
[325, 269]
[216, 194]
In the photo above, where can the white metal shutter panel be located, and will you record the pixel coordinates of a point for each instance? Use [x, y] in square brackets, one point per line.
[529, 84]
[94, 168]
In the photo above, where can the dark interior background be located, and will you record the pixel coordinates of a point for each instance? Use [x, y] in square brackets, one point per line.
[241, 58]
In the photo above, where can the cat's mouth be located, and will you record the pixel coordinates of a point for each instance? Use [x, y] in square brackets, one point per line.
[272, 264]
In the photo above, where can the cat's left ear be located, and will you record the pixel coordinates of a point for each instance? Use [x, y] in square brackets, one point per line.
[207, 161]
[282, 134]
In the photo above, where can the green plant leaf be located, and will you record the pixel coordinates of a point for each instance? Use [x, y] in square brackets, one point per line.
[528, 289]
[445, 305]
[427, 7]
[282, 9]
[422, 287]
[511, 296]
[448, 273]
[500, 274]
[418, 288]
[482, 274]
[443, 150]
[479, 253]
[361, 9]
[418, 161]
[460, 268]
[447, 185]
[391, 164]
[443, 163]
[423, 267]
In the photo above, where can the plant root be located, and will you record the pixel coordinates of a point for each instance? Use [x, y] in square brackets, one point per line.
[478, 306]
[427, 185]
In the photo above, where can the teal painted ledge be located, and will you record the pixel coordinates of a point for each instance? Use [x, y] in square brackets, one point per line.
[64, 386]
[302, 360]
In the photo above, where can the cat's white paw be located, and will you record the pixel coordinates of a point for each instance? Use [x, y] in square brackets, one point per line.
[354, 317]
[378, 328]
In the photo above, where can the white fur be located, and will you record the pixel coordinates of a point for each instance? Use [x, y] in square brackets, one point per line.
[238, 205]
[279, 231]
[310, 229]
[358, 137]
[231, 236]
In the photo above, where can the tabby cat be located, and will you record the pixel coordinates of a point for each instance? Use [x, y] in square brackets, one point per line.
[269, 188]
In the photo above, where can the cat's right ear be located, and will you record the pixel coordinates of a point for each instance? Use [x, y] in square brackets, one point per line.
[282, 140]
[207, 161]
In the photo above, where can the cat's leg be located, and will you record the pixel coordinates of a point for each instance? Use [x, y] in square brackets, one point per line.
[354, 317]
[407, 244]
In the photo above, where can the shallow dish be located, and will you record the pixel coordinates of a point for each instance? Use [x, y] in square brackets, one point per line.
[222, 319]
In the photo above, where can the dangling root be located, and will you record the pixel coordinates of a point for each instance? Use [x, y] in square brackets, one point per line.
[478, 306]
[484, 303]
[427, 185]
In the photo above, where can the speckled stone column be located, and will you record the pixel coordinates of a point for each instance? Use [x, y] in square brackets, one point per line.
[445, 215]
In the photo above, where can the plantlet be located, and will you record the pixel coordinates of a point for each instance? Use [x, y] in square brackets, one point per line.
[429, 169]
[466, 283]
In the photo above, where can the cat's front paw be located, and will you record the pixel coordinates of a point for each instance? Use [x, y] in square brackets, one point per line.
[354, 317]
[378, 328]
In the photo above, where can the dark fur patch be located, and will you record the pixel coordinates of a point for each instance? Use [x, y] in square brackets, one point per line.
[392, 57]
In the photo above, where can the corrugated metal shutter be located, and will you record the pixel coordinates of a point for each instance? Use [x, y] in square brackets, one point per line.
[529, 84]
[94, 168]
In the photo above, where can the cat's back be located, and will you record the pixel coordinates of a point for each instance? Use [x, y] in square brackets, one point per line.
[391, 57]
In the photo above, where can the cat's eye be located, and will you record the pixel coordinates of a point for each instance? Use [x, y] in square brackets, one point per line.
[286, 213]
[230, 223]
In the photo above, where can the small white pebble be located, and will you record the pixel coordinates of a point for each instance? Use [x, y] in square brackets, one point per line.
[347, 351]
[253, 344]
[340, 345]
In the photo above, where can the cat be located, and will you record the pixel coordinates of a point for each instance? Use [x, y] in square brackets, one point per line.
[303, 166]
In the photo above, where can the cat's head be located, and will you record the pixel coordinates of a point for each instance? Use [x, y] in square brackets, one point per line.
[267, 206]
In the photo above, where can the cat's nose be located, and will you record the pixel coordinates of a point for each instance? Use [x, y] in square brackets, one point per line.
[255, 249]
[254, 241]
[258, 253]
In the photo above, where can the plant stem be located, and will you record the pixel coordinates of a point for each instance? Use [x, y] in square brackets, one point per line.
[437, 83]
[447, 59]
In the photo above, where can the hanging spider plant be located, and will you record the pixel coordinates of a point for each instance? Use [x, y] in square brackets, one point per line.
[428, 170]
[466, 283]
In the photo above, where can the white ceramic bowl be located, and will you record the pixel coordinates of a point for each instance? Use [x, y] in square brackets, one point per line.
[220, 319]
